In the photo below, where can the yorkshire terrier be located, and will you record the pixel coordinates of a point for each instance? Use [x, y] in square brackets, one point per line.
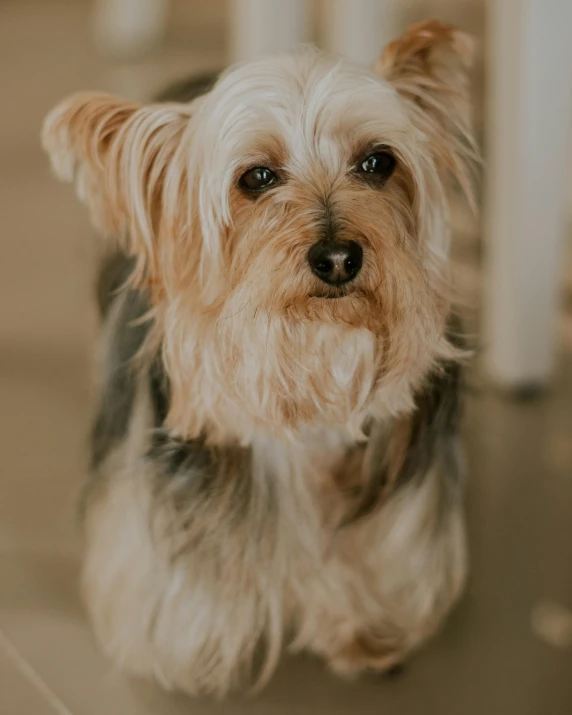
[275, 455]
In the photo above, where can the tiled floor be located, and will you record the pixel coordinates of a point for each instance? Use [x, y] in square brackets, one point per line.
[487, 662]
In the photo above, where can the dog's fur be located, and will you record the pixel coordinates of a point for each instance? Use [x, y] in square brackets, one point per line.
[272, 466]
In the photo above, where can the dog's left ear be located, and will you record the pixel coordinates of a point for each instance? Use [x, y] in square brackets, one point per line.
[429, 66]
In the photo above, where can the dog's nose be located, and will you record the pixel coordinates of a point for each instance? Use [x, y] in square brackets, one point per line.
[335, 262]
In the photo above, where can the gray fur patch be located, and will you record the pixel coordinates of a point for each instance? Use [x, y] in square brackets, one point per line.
[433, 437]
[120, 380]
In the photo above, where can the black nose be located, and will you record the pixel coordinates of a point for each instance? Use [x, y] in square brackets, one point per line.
[335, 262]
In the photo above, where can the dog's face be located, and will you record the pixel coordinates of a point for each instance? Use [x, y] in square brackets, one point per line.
[308, 172]
[291, 224]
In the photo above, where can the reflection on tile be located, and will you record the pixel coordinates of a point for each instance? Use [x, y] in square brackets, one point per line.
[22, 690]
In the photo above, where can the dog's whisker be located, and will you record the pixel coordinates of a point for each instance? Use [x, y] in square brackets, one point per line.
[233, 315]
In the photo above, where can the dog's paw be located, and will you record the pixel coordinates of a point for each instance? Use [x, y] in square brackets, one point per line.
[371, 653]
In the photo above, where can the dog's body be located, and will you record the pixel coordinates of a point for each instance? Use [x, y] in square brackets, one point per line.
[199, 555]
[275, 457]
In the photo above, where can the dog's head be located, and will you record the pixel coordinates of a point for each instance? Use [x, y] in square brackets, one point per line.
[291, 225]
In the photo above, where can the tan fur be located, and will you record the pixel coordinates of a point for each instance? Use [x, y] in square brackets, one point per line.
[260, 359]
[429, 66]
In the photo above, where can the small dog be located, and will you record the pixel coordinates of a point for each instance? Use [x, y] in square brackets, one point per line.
[275, 455]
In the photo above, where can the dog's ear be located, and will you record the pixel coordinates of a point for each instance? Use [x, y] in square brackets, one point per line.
[429, 66]
[122, 158]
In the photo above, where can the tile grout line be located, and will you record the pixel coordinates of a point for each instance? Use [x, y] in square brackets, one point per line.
[32, 676]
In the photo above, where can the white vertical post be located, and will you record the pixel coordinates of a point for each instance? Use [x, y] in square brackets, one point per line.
[129, 27]
[359, 29]
[260, 27]
[530, 85]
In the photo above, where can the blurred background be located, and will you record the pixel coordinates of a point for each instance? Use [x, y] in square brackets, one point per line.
[508, 648]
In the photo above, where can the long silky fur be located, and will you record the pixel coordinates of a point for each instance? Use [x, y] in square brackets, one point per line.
[271, 468]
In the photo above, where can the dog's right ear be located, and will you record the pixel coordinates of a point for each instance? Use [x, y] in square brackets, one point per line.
[124, 160]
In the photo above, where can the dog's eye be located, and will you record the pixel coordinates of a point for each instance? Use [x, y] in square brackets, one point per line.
[379, 165]
[257, 179]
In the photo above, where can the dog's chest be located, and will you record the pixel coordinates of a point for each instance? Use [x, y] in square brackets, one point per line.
[312, 477]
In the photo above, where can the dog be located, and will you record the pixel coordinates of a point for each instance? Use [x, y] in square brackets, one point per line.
[275, 456]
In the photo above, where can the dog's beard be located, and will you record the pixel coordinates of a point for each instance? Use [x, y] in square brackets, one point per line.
[302, 371]
[253, 370]
[317, 362]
